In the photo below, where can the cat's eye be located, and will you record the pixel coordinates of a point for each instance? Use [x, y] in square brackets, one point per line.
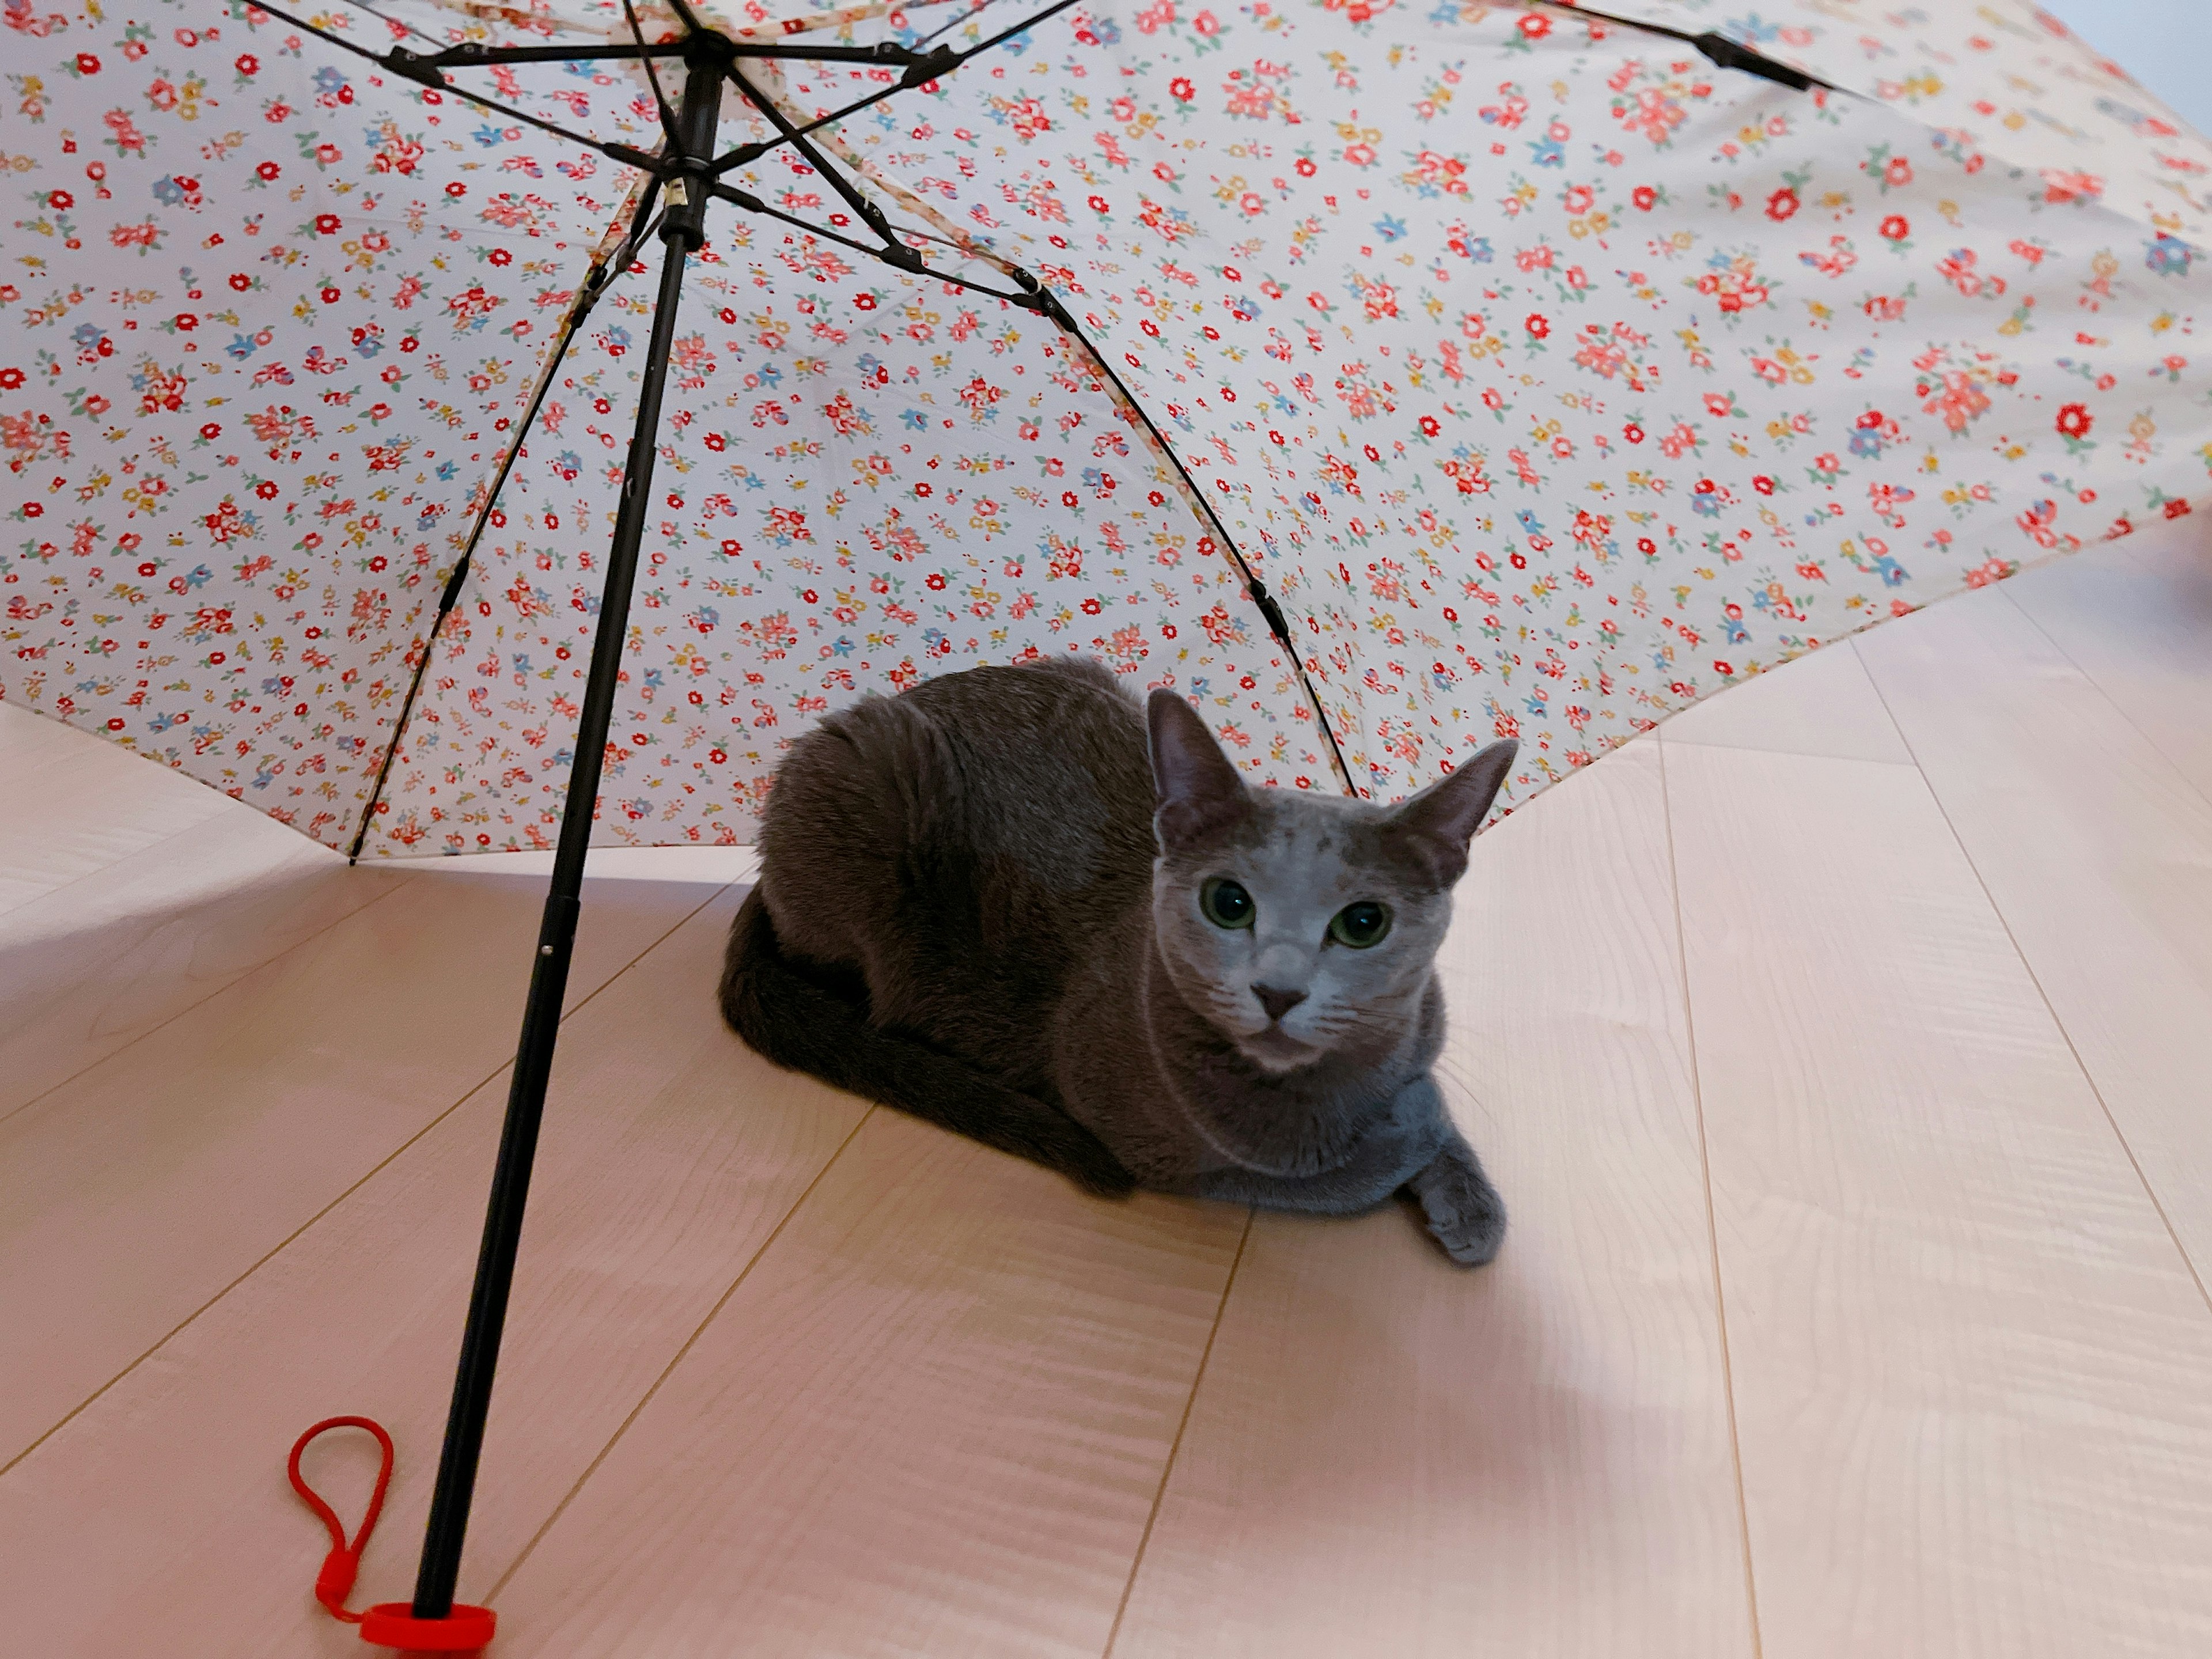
[1359, 925]
[1225, 904]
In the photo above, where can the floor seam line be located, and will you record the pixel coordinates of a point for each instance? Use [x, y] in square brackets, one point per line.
[383, 1163]
[162, 840]
[2073, 1049]
[1712, 1220]
[2111, 702]
[677, 1359]
[1175, 1447]
[1793, 754]
[335, 921]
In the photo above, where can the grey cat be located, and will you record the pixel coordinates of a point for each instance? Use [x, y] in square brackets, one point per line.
[1017, 903]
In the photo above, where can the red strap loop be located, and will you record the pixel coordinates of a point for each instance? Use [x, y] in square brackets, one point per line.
[335, 1583]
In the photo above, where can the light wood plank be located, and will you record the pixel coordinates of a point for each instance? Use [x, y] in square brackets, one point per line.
[94, 964]
[136, 1191]
[1390, 1455]
[2136, 618]
[1970, 1363]
[931, 1420]
[2098, 855]
[1822, 703]
[669, 1155]
[74, 804]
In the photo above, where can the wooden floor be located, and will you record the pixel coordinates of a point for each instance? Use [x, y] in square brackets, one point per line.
[1845, 1054]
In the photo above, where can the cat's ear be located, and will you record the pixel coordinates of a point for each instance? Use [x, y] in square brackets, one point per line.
[1436, 825]
[1197, 790]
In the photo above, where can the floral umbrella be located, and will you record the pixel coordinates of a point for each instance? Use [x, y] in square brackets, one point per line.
[1669, 372]
[1384, 380]
[1555, 376]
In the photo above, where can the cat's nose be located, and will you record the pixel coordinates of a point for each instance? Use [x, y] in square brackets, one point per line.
[1277, 1003]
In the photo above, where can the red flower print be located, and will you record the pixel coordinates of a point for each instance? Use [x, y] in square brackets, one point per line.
[1781, 205]
[1645, 196]
[1539, 325]
[1182, 90]
[2074, 421]
[1897, 227]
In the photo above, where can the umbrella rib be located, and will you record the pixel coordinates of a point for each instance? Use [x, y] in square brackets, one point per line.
[596, 282]
[1270, 609]
[391, 22]
[894, 251]
[417, 67]
[1724, 52]
[946, 28]
[940, 61]
[660, 97]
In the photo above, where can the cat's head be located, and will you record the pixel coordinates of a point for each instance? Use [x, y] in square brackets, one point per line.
[1297, 924]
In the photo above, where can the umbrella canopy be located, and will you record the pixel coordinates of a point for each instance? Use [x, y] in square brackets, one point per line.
[1550, 374]
[1559, 376]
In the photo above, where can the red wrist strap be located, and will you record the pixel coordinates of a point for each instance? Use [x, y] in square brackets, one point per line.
[389, 1624]
[335, 1583]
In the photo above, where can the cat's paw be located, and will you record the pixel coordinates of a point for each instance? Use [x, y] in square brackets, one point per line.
[1466, 1216]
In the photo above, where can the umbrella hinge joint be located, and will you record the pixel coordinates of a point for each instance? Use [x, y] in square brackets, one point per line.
[417, 66]
[938, 61]
[1277, 624]
[1730, 54]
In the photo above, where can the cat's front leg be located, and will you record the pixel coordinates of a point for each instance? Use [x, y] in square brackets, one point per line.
[1465, 1214]
[1389, 1156]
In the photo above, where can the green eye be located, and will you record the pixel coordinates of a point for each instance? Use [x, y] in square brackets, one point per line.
[1359, 925]
[1225, 904]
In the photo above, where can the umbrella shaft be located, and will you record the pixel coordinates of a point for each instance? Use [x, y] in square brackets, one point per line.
[541, 1022]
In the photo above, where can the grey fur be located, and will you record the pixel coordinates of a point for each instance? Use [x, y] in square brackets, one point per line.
[979, 903]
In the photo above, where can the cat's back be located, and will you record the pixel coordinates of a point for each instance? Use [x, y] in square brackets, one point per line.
[994, 788]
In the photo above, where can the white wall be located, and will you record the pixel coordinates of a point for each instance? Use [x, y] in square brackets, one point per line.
[2167, 45]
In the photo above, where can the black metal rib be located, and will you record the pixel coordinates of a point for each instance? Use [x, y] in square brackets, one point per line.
[980, 7]
[660, 97]
[894, 251]
[939, 62]
[1048, 304]
[417, 67]
[596, 282]
[1718, 47]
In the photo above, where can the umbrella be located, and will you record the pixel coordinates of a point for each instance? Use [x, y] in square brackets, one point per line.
[1386, 381]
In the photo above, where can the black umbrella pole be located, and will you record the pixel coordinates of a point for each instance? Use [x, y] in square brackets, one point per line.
[557, 936]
